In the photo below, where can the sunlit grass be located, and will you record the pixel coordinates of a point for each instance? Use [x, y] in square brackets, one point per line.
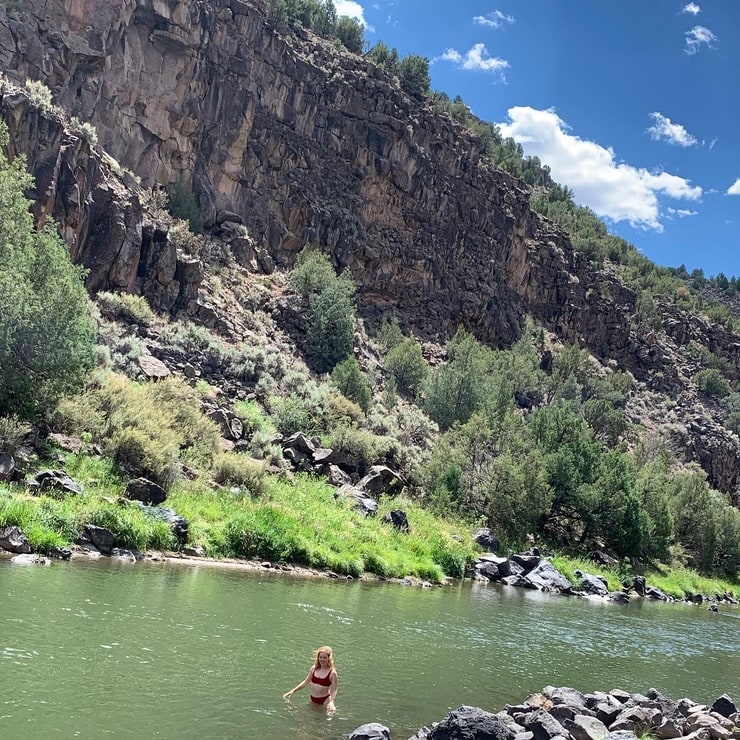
[672, 580]
[286, 522]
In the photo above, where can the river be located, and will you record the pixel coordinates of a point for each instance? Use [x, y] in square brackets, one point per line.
[103, 649]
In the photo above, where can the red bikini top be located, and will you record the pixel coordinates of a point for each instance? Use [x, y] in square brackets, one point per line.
[326, 681]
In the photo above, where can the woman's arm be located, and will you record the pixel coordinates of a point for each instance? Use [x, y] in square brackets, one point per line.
[301, 685]
[332, 692]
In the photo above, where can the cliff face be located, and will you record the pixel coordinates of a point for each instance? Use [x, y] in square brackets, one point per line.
[308, 145]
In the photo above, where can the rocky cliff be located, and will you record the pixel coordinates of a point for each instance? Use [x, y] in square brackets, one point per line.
[309, 145]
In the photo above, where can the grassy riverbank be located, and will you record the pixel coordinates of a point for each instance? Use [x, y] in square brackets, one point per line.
[291, 522]
[672, 580]
[294, 521]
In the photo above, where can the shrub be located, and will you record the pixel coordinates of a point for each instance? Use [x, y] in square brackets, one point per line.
[312, 273]
[389, 334]
[40, 95]
[330, 326]
[86, 130]
[360, 449]
[46, 333]
[340, 410]
[352, 382]
[253, 418]
[12, 432]
[126, 307]
[240, 471]
[182, 204]
[712, 382]
[407, 366]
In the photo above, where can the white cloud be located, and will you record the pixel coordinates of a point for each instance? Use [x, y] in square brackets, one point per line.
[495, 19]
[697, 36]
[475, 58]
[610, 188]
[692, 8]
[734, 189]
[674, 133]
[681, 212]
[353, 10]
[713, 142]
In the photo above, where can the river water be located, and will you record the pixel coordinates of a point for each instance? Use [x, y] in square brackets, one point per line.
[112, 650]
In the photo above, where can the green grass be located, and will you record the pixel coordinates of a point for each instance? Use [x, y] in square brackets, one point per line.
[672, 580]
[297, 523]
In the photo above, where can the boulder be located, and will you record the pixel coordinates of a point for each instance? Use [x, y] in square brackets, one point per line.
[54, 480]
[359, 499]
[591, 584]
[725, 706]
[381, 480]
[146, 491]
[547, 578]
[178, 524]
[543, 725]
[526, 560]
[102, 538]
[487, 539]
[14, 540]
[7, 466]
[582, 727]
[371, 731]
[471, 723]
[397, 519]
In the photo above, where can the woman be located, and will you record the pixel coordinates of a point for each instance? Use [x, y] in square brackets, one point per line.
[322, 678]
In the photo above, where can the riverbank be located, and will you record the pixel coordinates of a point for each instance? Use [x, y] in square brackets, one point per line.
[563, 712]
[294, 523]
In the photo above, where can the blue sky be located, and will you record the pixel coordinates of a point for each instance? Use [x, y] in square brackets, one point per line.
[634, 104]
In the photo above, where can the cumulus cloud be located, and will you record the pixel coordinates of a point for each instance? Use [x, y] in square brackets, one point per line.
[663, 129]
[734, 189]
[476, 58]
[612, 189]
[697, 36]
[495, 19]
[353, 10]
[691, 8]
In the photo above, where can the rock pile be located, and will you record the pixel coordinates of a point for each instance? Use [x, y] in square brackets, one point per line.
[567, 714]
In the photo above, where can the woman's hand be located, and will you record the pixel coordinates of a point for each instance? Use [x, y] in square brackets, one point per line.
[330, 708]
[288, 694]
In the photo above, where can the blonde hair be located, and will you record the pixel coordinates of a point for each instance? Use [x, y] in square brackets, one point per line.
[323, 649]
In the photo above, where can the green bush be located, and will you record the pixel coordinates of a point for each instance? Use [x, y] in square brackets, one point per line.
[312, 273]
[413, 74]
[352, 382]
[40, 95]
[126, 307]
[712, 382]
[182, 204]
[238, 470]
[46, 333]
[331, 310]
[405, 363]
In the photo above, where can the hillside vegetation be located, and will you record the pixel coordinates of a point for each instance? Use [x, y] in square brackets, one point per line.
[539, 441]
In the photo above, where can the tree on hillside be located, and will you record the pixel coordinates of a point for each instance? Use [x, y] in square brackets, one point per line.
[413, 74]
[351, 33]
[46, 333]
[330, 323]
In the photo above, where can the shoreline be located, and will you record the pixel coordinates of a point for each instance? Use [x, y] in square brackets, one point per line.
[81, 553]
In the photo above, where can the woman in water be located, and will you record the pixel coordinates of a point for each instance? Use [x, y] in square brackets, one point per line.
[322, 678]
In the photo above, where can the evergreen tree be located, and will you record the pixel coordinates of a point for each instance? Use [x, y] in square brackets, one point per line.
[46, 333]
